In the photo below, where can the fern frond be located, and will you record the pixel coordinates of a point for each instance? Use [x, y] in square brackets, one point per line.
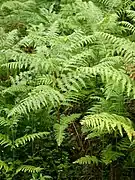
[131, 14]
[5, 141]
[41, 96]
[3, 165]
[16, 88]
[29, 169]
[59, 132]
[30, 137]
[8, 39]
[59, 128]
[21, 59]
[109, 122]
[8, 122]
[87, 160]
[78, 40]
[123, 46]
[81, 59]
[108, 155]
[128, 25]
[109, 4]
[12, 5]
[44, 80]
[124, 144]
[110, 74]
[71, 81]
[4, 122]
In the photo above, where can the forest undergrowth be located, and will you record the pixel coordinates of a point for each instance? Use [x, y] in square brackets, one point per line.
[67, 90]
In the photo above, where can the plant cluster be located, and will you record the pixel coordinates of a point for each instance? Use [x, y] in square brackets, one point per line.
[67, 81]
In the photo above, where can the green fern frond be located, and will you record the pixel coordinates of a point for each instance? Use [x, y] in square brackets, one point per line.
[16, 88]
[8, 122]
[78, 40]
[71, 81]
[21, 59]
[81, 59]
[128, 25]
[44, 80]
[87, 160]
[108, 155]
[109, 4]
[5, 141]
[59, 132]
[88, 11]
[123, 46]
[123, 145]
[59, 128]
[29, 169]
[30, 137]
[8, 39]
[16, 5]
[4, 122]
[112, 61]
[109, 122]
[42, 95]
[131, 14]
[110, 74]
[3, 165]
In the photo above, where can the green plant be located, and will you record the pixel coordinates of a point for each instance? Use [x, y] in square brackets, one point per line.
[67, 71]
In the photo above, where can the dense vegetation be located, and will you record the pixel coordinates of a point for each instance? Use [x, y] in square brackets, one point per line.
[67, 89]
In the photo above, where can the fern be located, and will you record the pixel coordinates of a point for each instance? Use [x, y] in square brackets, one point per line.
[87, 160]
[5, 141]
[29, 169]
[3, 165]
[30, 137]
[109, 122]
[42, 95]
[108, 155]
[109, 74]
[8, 122]
[59, 128]
[60, 58]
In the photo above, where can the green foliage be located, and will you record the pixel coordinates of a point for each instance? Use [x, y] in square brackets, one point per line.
[3, 165]
[108, 155]
[59, 128]
[30, 169]
[4, 140]
[105, 121]
[28, 138]
[67, 89]
[87, 160]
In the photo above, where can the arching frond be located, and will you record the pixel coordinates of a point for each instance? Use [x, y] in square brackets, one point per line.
[71, 81]
[29, 169]
[122, 46]
[108, 155]
[59, 128]
[30, 137]
[3, 165]
[128, 25]
[41, 96]
[124, 144]
[4, 140]
[87, 160]
[109, 74]
[109, 122]
[8, 122]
